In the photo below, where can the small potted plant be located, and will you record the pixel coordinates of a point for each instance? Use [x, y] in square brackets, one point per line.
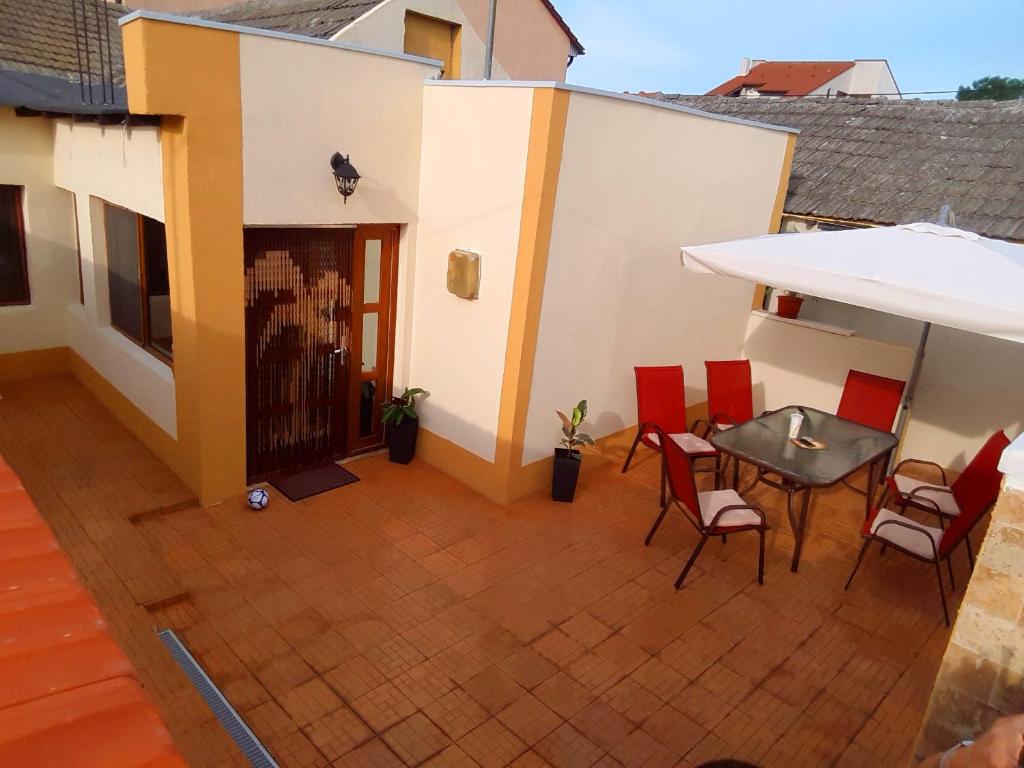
[401, 425]
[789, 304]
[567, 459]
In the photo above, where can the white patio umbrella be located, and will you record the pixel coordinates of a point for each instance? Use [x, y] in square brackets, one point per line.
[928, 272]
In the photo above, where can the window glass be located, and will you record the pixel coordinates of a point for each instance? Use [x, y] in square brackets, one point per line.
[123, 271]
[371, 273]
[367, 394]
[369, 341]
[13, 266]
[158, 290]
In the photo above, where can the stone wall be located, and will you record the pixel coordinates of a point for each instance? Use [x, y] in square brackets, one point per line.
[982, 672]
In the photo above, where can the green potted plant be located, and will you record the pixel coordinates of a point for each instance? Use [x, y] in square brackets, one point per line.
[789, 304]
[566, 470]
[401, 425]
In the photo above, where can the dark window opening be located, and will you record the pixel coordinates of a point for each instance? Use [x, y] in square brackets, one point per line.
[13, 263]
[140, 295]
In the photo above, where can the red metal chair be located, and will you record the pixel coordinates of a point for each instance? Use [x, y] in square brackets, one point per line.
[976, 487]
[730, 393]
[870, 400]
[661, 406]
[712, 513]
[730, 399]
[922, 542]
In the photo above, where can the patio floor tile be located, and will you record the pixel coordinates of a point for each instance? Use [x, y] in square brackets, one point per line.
[404, 620]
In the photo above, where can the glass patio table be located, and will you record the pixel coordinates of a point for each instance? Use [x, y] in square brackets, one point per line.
[849, 446]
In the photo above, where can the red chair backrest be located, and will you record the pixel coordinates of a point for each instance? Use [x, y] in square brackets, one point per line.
[679, 472]
[975, 490]
[660, 397]
[870, 400]
[730, 395]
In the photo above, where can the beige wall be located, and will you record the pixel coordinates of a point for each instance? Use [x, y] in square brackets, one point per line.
[638, 181]
[471, 197]
[121, 166]
[528, 43]
[792, 365]
[26, 160]
[289, 135]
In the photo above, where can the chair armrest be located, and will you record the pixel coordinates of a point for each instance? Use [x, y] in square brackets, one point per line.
[931, 541]
[942, 472]
[752, 507]
[924, 500]
[721, 418]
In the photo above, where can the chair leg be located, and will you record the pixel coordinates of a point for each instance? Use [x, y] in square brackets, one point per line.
[735, 473]
[760, 558]
[718, 472]
[632, 450]
[692, 560]
[952, 581]
[942, 593]
[723, 538]
[860, 559]
[661, 516]
[970, 552]
[663, 494]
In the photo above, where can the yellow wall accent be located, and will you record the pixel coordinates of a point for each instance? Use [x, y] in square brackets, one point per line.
[192, 74]
[775, 224]
[15, 366]
[543, 163]
[138, 423]
[435, 39]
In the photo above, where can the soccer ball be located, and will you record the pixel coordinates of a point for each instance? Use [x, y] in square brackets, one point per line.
[258, 498]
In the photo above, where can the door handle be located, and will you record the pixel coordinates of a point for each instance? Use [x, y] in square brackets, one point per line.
[340, 351]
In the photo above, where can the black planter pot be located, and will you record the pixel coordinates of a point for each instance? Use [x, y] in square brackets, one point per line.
[401, 440]
[565, 474]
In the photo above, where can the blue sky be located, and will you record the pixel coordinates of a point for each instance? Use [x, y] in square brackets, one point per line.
[690, 46]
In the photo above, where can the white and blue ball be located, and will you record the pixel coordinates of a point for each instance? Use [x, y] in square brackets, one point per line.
[258, 498]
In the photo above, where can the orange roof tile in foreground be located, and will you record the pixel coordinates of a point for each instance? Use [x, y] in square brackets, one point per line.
[70, 696]
[784, 78]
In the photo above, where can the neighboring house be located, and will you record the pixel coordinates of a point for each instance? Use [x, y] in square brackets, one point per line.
[531, 41]
[860, 77]
[235, 311]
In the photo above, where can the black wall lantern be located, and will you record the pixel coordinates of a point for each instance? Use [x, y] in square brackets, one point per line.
[344, 174]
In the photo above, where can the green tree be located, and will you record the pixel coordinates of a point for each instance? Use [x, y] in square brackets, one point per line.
[993, 87]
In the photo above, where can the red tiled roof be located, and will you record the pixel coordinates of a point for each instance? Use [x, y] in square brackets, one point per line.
[784, 78]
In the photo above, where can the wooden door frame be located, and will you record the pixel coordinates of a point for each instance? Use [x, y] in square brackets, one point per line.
[387, 309]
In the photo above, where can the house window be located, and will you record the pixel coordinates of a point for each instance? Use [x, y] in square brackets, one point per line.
[137, 276]
[13, 264]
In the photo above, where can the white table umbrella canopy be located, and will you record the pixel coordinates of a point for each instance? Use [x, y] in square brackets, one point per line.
[923, 271]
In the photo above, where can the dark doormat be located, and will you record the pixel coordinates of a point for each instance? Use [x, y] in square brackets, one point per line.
[309, 482]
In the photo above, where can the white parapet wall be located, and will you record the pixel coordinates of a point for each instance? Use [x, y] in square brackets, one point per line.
[25, 151]
[122, 166]
[638, 181]
[475, 144]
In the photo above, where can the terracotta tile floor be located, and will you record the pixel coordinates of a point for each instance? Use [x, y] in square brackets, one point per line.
[405, 620]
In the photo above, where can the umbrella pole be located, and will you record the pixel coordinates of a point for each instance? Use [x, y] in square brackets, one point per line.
[908, 393]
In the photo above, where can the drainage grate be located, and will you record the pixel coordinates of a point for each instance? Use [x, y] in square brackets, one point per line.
[245, 739]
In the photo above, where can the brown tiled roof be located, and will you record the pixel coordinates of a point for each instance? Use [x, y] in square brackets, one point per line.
[893, 162]
[318, 18]
[38, 37]
[313, 18]
[786, 78]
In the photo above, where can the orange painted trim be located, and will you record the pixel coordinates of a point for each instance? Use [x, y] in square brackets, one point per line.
[16, 366]
[543, 164]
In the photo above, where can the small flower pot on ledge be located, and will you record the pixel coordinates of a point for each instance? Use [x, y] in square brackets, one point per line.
[789, 306]
[565, 474]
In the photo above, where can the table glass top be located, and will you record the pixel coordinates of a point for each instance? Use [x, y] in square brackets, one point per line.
[764, 441]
